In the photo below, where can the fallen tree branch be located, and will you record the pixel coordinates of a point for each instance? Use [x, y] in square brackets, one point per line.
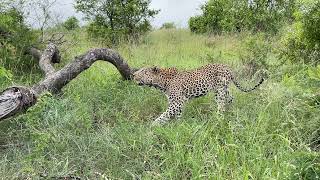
[51, 55]
[18, 99]
[14, 100]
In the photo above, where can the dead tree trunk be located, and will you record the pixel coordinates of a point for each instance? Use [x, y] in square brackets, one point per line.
[18, 99]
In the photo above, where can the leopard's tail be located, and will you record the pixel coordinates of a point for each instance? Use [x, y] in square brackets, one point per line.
[237, 84]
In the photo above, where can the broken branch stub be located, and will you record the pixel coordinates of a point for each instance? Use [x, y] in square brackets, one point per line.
[17, 99]
[14, 100]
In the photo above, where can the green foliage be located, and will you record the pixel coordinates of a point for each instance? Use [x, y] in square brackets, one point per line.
[168, 25]
[311, 22]
[71, 23]
[256, 49]
[232, 16]
[302, 39]
[5, 76]
[15, 39]
[197, 24]
[117, 19]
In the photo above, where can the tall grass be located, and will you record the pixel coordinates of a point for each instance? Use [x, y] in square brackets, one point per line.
[100, 126]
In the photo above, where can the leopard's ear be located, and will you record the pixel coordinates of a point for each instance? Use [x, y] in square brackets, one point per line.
[155, 69]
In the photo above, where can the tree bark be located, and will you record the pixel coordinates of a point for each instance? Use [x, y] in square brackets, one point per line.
[49, 56]
[17, 99]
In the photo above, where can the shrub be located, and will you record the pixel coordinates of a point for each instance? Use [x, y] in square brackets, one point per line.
[255, 49]
[168, 25]
[311, 24]
[197, 24]
[15, 39]
[231, 16]
[210, 20]
[71, 23]
[302, 39]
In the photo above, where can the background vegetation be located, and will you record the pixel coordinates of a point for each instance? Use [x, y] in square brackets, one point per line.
[117, 19]
[99, 127]
[15, 39]
[302, 39]
[71, 23]
[168, 25]
[233, 16]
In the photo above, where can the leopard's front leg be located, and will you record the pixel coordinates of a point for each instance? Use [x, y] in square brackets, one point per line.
[162, 119]
[176, 103]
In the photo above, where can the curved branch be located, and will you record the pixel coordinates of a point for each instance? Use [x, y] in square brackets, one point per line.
[17, 99]
[56, 81]
[49, 56]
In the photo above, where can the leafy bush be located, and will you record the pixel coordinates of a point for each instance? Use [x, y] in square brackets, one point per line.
[311, 24]
[197, 24]
[96, 30]
[302, 39]
[255, 49]
[168, 25]
[15, 39]
[231, 16]
[211, 18]
[71, 23]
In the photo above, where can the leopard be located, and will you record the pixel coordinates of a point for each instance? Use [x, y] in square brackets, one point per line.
[181, 86]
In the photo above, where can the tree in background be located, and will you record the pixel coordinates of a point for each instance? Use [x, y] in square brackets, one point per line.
[310, 20]
[232, 16]
[116, 19]
[43, 15]
[210, 20]
[168, 25]
[71, 23]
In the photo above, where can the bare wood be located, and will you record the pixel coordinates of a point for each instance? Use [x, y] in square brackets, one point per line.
[14, 100]
[17, 99]
[56, 81]
[49, 56]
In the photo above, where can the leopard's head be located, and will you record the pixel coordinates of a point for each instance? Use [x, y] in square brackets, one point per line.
[154, 76]
[146, 76]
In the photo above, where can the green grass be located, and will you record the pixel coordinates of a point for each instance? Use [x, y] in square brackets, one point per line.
[100, 126]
